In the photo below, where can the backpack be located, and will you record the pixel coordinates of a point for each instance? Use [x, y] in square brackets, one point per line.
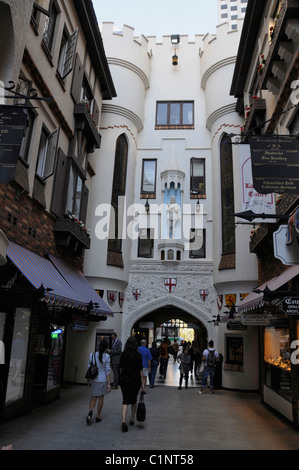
[211, 359]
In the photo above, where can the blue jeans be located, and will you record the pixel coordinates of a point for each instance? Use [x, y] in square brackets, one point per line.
[154, 368]
[208, 371]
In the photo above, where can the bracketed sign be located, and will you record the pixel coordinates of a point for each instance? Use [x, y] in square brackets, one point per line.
[250, 198]
[275, 163]
[12, 125]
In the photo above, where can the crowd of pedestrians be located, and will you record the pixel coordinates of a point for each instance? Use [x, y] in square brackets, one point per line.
[136, 366]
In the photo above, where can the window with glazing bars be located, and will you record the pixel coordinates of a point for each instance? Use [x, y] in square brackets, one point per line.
[175, 113]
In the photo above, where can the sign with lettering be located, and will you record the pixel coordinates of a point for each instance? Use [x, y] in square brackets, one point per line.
[255, 319]
[290, 305]
[275, 166]
[287, 254]
[236, 325]
[12, 125]
[250, 198]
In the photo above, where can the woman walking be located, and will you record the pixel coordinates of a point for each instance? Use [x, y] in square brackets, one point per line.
[100, 386]
[130, 379]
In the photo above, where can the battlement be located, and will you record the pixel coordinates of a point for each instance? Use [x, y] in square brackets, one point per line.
[127, 32]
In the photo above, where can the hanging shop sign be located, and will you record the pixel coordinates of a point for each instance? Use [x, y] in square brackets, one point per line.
[290, 305]
[255, 319]
[236, 325]
[275, 164]
[250, 198]
[13, 121]
[287, 254]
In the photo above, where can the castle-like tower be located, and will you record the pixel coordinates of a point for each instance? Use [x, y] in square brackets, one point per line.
[162, 144]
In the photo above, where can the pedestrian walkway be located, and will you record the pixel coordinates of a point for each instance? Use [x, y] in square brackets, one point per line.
[177, 420]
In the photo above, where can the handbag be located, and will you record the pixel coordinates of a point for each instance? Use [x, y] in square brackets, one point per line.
[92, 370]
[141, 410]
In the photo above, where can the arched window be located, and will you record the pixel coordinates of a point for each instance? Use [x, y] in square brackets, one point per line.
[227, 196]
[118, 190]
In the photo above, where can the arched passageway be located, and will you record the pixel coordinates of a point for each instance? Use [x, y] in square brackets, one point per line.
[161, 322]
[169, 321]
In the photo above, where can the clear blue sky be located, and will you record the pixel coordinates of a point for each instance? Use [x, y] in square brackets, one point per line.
[160, 17]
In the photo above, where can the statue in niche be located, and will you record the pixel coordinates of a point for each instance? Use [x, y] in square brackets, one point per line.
[173, 215]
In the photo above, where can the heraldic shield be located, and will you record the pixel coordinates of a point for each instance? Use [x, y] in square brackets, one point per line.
[136, 293]
[170, 284]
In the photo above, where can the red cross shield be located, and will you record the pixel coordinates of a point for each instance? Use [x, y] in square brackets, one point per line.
[111, 296]
[136, 293]
[170, 284]
[203, 294]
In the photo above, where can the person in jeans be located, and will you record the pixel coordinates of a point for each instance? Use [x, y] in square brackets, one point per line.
[210, 357]
[155, 362]
[164, 358]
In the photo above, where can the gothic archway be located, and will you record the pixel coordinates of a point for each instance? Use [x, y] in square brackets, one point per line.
[145, 311]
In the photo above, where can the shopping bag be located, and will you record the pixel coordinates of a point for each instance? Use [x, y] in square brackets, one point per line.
[141, 410]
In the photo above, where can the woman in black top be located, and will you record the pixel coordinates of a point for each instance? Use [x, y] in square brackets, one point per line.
[130, 378]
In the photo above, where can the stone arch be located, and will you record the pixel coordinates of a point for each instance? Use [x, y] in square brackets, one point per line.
[130, 319]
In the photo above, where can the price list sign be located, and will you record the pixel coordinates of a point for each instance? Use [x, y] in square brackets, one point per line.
[13, 121]
[275, 164]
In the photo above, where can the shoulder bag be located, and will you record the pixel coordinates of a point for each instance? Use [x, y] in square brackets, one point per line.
[92, 370]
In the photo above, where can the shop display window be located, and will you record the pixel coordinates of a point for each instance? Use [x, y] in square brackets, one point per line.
[277, 347]
[18, 357]
[55, 356]
[234, 354]
[277, 356]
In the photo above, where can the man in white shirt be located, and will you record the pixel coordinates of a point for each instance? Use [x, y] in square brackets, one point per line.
[210, 357]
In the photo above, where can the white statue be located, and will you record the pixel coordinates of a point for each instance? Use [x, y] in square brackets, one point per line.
[173, 215]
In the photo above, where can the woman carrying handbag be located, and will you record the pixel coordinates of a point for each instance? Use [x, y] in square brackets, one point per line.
[100, 385]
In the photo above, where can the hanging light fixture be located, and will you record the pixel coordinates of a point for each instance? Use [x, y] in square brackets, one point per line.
[175, 38]
[175, 59]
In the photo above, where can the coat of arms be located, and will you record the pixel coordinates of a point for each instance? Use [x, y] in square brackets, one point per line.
[219, 301]
[121, 298]
[111, 296]
[203, 294]
[170, 284]
[136, 293]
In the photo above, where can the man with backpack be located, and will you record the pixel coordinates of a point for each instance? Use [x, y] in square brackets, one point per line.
[210, 357]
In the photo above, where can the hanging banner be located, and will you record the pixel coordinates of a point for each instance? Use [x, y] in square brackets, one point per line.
[251, 199]
[275, 167]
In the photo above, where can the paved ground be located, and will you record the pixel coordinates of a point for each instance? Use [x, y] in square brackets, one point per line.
[177, 420]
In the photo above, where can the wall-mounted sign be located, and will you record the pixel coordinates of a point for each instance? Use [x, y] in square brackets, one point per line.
[287, 254]
[236, 325]
[275, 164]
[290, 305]
[12, 125]
[255, 319]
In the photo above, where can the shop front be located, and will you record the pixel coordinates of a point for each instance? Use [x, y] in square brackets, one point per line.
[40, 297]
[279, 339]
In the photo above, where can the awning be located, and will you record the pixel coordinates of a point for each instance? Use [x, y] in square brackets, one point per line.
[254, 299]
[78, 281]
[42, 272]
